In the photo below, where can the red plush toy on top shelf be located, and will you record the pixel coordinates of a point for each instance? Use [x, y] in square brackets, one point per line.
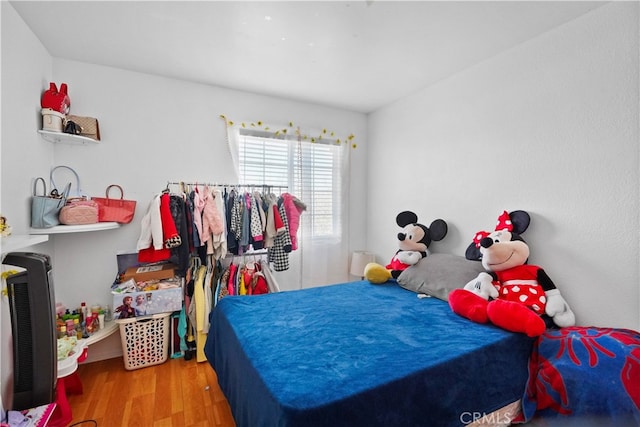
[57, 100]
[511, 294]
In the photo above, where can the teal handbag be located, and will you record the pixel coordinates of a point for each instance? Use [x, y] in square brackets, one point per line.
[77, 192]
[46, 208]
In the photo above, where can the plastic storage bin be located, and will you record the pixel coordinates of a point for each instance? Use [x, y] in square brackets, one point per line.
[145, 340]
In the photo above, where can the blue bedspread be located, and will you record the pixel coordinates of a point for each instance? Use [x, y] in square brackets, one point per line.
[585, 376]
[358, 354]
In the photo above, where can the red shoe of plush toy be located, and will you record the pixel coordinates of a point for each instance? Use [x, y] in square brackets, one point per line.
[56, 100]
[469, 305]
[515, 317]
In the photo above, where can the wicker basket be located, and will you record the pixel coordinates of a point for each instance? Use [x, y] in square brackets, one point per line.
[145, 340]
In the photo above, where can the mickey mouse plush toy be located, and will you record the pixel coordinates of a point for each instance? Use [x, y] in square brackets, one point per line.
[413, 241]
[512, 294]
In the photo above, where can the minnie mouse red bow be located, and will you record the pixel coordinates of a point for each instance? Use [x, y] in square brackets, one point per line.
[504, 223]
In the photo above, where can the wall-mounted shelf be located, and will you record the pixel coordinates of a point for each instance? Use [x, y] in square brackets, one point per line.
[66, 138]
[63, 229]
[20, 241]
[100, 334]
[70, 364]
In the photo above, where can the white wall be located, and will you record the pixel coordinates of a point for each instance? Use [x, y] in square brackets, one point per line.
[551, 127]
[22, 82]
[153, 129]
[156, 130]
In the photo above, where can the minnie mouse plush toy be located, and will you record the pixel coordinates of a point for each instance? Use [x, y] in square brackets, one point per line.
[512, 294]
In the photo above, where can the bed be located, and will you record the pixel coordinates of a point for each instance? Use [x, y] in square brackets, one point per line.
[357, 354]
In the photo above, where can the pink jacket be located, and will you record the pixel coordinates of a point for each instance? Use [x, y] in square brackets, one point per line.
[211, 219]
[293, 208]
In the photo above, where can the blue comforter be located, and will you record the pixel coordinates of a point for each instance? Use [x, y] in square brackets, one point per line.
[358, 354]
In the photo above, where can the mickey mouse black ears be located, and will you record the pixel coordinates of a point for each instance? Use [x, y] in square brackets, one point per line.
[437, 230]
[405, 218]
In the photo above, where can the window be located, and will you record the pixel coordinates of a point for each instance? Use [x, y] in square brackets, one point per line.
[310, 171]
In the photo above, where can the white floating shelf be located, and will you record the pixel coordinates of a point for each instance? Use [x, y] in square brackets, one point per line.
[100, 334]
[20, 241]
[63, 229]
[66, 138]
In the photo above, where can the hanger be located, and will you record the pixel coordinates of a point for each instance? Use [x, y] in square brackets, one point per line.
[195, 262]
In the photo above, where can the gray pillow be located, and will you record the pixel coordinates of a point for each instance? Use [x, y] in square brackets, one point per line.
[439, 274]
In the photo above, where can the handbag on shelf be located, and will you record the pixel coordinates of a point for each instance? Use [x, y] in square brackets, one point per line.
[88, 126]
[45, 209]
[117, 210]
[71, 128]
[77, 191]
[79, 211]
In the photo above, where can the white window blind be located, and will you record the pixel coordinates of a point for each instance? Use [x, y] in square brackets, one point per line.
[310, 171]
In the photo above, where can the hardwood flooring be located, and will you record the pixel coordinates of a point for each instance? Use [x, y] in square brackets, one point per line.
[177, 393]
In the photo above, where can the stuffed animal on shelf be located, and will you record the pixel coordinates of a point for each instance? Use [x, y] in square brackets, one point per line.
[56, 100]
[413, 241]
[512, 294]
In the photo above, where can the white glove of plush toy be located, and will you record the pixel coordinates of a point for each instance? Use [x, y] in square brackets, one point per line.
[409, 257]
[482, 286]
[558, 309]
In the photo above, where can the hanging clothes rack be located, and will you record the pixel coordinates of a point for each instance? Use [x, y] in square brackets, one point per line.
[252, 255]
[265, 187]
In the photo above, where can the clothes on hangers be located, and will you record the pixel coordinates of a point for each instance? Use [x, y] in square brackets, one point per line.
[272, 283]
[242, 277]
[279, 252]
[159, 233]
[202, 219]
[217, 244]
[293, 209]
[199, 312]
[212, 223]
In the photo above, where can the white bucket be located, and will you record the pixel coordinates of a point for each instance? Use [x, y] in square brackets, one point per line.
[52, 120]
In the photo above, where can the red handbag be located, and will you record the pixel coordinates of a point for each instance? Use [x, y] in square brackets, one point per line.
[56, 100]
[115, 210]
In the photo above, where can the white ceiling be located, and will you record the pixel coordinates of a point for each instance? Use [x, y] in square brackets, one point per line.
[357, 55]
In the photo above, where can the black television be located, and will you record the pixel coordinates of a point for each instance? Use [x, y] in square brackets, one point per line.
[33, 328]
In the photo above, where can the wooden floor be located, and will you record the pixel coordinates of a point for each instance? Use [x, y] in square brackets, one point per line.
[176, 393]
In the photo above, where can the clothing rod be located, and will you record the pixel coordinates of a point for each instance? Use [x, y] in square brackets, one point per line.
[253, 252]
[216, 184]
[257, 252]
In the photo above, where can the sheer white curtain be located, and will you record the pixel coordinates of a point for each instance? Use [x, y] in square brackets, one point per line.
[316, 170]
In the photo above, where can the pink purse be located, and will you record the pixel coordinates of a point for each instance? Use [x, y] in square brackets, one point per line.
[79, 211]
